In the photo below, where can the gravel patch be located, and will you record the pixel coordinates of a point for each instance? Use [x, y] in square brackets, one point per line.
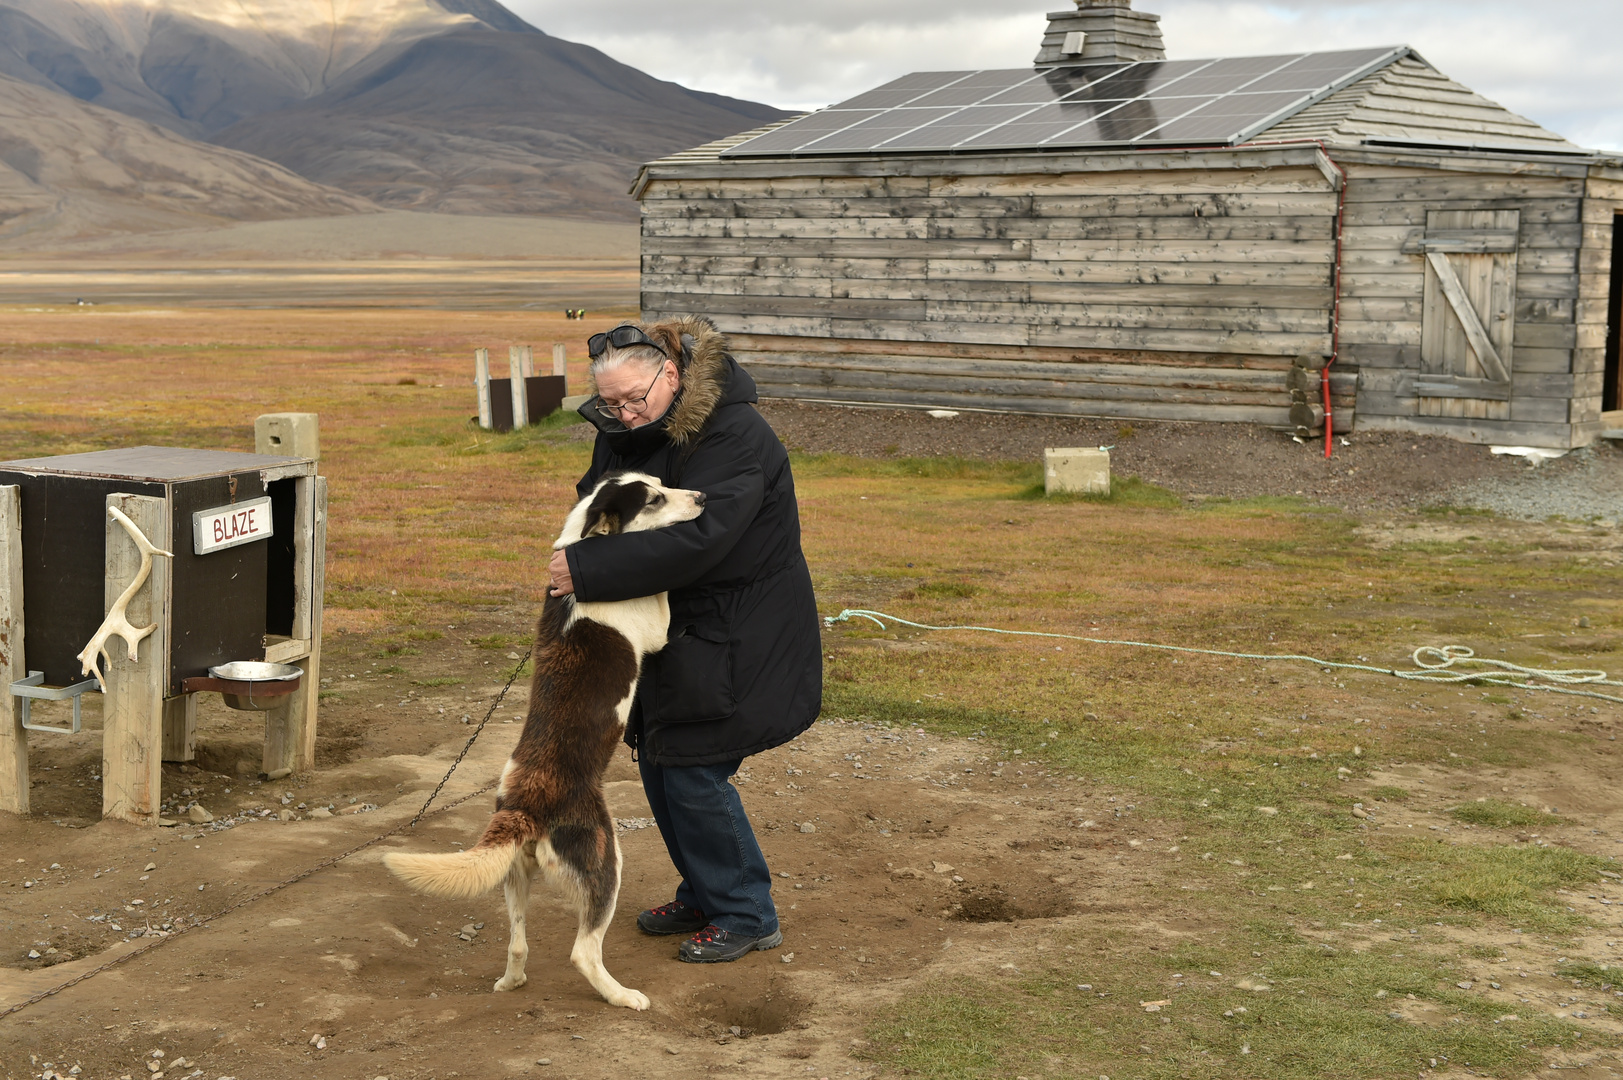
[1586, 485]
[1368, 471]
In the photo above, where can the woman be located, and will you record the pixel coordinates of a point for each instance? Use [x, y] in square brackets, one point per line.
[742, 669]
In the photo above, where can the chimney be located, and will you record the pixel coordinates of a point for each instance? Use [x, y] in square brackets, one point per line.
[1099, 31]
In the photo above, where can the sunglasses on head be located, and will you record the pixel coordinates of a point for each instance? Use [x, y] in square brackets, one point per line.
[621, 337]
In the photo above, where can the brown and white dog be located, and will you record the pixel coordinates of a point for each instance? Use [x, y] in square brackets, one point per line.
[551, 817]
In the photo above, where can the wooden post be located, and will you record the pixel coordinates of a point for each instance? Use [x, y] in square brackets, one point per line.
[515, 382]
[13, 664]
[310, 691]
[290, 727]
[526, 356]
[132, 713]
[180, 728]
[560, 360]
[481, 380]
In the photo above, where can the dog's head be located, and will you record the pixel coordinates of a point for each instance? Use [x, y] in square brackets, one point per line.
[629, 502]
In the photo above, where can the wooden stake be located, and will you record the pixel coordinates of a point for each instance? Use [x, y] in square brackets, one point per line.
[515, 382]
[13, 664]
[132, 713]
[481, 381]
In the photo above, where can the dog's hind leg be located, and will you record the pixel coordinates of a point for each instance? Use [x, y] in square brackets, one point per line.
[598, 894]
[517, 888]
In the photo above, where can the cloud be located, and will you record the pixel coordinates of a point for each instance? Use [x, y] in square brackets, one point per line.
[1555, 62]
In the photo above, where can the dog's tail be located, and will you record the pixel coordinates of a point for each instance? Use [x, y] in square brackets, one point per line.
[463, 874]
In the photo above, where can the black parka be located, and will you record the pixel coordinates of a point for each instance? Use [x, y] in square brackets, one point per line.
[742, 668]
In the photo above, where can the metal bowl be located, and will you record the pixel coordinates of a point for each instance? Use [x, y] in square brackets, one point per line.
[255, 671]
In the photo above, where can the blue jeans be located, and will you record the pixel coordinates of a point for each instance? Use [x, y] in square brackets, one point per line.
[712, 845]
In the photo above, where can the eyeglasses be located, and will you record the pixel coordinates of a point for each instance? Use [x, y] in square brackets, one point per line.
[636, 405]
[620, 337]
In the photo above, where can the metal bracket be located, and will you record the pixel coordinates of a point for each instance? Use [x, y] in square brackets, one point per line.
[32, 687]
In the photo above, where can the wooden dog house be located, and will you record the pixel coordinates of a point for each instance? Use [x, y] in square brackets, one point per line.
[239, 577]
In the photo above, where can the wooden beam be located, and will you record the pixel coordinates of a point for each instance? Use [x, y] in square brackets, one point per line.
[180, 728]
[515, 383]
[1486, 354]
[481, 382]
[132, 710]
[311, 689]
[290, 727]
[13, 663]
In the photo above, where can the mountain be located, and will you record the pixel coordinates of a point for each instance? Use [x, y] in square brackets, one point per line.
[452, 105]
[68, 170]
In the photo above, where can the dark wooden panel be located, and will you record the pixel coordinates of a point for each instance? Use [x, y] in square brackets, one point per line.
[64, 564]
[218, 606]
[279, 557]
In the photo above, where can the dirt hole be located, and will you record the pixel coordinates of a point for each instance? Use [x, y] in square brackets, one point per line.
[742, 1012]
[995, 905]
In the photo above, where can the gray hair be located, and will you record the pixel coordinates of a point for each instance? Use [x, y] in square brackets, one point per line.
[649, 359]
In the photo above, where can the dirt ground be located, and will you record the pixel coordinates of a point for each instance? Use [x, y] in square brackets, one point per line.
[900, 858]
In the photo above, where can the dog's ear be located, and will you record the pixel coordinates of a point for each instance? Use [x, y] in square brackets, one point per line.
[602, 517]
[613, 506]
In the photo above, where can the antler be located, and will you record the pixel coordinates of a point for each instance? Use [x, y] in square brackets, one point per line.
[117, 621]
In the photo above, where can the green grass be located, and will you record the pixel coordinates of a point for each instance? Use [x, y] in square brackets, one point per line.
[1388, 793]
[441, 681]
[937, 590]
[1499, 814]
[1124, 491]
[1327, 1016]
[1595, 976]
[1512, 882]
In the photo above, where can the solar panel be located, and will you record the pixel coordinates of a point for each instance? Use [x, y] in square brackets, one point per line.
[1143, 103]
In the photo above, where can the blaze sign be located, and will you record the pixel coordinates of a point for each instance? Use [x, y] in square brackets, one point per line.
[230, 526]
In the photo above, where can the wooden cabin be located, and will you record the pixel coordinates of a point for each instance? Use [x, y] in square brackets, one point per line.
[1110, 233]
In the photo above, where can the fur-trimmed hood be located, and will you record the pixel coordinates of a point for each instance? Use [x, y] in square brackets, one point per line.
[705, 378]
[710, 379]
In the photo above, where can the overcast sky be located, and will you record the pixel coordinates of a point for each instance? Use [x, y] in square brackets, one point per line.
[1559, 62]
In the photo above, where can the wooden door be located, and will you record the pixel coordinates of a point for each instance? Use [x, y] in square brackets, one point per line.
[1468, 319]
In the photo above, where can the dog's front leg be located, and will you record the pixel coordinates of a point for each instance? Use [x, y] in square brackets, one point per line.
[517, 888]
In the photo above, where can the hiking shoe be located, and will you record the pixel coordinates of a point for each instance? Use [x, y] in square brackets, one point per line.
[713, 945]
[672, 918]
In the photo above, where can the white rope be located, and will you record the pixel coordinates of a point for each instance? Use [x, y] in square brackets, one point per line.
[1436, 664]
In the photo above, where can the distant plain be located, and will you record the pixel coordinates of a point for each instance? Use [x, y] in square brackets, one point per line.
[388, 259]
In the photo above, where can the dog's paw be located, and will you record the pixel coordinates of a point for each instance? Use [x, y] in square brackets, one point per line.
[510, 982]
[630, 999]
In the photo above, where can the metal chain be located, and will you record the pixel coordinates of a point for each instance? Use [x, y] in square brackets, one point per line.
[494, 705]
[148, 946]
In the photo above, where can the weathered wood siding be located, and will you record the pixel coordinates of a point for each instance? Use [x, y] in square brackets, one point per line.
[1603, 202]
[1384, 289]
[1177, 294]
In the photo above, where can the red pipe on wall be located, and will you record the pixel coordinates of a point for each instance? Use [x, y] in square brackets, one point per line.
[1335, 300]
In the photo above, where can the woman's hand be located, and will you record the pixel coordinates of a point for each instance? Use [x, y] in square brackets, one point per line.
[558, 568]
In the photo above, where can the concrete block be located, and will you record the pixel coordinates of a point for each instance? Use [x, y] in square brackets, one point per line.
[573, 402]
[1076, 470]
[288, 434]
